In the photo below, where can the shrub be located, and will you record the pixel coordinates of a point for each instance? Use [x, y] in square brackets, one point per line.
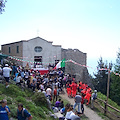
[21, 99]
[0, 92]
[39, 99]
[9, 100]
[29, 105]
[13, 109]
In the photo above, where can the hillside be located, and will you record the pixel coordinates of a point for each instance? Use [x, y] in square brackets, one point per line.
[35, 103]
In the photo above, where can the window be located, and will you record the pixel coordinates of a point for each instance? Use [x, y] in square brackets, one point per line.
[9, 50]
[17, 49]
[38, 58]
[38, 49]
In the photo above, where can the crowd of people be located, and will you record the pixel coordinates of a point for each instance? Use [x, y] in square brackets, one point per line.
[51, 85]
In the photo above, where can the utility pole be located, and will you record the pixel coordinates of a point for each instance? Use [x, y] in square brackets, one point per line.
[108, 85]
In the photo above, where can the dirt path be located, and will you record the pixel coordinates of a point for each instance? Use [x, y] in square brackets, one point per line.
[87, 111]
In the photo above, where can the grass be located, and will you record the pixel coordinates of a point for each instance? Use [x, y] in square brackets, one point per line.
[100, 111]
[35, 103]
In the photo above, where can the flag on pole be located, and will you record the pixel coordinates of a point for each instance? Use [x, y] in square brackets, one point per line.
[60, 64]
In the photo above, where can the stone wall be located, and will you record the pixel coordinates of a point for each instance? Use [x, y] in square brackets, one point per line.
[79, 57]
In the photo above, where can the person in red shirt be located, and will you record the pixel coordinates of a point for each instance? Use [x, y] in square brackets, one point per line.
[87, 97]
[84, 86]
[55, 94]
[68, 89]
[84, 91]
[74, 88]
[89, 90]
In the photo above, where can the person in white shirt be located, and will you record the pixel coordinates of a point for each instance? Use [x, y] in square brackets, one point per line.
[49, 93]
[74, 116]
[18, 79]
[93, 98]
[69, 112]
[6, 74]
[70, 115]
[0, 70]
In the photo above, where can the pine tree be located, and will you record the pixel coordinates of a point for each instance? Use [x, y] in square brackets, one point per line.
[2, 5]
[101, 77]
[115, 81]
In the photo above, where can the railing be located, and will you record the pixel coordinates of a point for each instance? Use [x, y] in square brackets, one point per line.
[105, 108]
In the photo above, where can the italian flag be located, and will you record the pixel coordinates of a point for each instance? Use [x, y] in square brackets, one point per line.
[60, 64]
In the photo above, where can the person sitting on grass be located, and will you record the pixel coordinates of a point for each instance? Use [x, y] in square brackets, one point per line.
[57, 104]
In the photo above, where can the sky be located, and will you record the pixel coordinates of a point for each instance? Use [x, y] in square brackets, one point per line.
[92, 26]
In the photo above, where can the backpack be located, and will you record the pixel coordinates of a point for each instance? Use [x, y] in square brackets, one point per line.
[23, 115]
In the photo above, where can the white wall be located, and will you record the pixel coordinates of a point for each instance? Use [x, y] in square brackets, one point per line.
[49, 52]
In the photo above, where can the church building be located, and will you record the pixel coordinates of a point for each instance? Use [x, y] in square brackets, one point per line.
[38, 51]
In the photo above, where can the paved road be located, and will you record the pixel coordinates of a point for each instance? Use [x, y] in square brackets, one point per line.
[87, 111]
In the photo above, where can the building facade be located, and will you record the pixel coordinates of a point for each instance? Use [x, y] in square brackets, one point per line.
[75, 68]
[38, 50]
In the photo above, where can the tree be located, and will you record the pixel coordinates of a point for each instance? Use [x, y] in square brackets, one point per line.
[2, 6]
[101, 77]
[115, 81]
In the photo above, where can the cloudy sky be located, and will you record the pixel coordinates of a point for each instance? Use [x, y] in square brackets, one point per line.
[92, 26]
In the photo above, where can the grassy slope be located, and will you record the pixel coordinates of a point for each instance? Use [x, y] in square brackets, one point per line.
[101, 112]
[35, 103]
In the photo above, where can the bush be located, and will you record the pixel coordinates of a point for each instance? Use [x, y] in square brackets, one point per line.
[0, 92]
[13, 110]
[9, 100]
[35, 110]
[39, 99]
[21, 99]
[29, 105]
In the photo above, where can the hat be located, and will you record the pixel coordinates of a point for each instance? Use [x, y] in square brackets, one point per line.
[95, 91]
[3, 101]
[6, 65]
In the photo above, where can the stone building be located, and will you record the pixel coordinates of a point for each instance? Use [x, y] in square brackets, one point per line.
[38, 50]
[76, 69]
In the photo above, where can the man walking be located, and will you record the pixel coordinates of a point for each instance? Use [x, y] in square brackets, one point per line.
[93, 98]
[22, 113]
[78, 100]
[6, 74]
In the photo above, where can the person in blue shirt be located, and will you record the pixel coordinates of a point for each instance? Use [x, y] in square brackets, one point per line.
[4, 110]
[22, 113]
